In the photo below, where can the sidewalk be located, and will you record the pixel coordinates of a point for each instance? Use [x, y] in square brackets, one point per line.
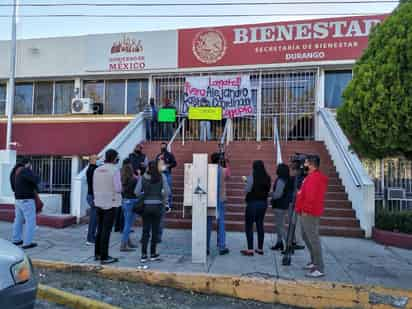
[347, 260]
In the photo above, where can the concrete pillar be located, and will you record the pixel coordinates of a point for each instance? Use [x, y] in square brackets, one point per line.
[320, 100]
[199, 208]
[7, 162]
[77, 190]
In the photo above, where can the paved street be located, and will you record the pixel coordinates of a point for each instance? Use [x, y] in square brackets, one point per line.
[347, 260]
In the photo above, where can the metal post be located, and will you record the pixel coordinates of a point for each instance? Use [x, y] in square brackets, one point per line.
[10, 97]
[183, 132]
[259, 110]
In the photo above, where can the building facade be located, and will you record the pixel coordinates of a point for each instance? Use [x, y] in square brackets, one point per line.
[294, 68]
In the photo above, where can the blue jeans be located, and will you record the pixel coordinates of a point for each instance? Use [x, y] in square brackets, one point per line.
[255, 213]
[129, 218]
[25, 213]
[91, 231]
[221, 234]
[205, 133]
[148, 126]
[170, 183]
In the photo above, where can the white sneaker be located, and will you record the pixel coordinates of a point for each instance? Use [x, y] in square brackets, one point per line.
[88, 243]
[315, 274]
[309, 266]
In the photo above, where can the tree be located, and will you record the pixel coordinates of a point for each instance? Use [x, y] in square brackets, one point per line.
[376, 113]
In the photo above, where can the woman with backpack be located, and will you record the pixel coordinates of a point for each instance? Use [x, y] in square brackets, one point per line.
[281, 199]
[156, 190]
[129, 198]
[257, 192]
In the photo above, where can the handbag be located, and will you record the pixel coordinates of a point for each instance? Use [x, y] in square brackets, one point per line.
[138, 206]
[38, 202]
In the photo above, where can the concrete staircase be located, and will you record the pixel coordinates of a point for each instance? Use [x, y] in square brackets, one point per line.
[339, 218]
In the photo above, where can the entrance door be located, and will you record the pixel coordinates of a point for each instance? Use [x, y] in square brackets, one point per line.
[291, 97]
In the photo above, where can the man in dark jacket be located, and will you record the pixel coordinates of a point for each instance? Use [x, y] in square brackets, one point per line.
[138, 160]
[166, 162]
[24, 183]
[91, 231]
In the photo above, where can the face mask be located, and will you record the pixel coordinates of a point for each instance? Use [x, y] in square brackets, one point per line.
[306, 169]
[138, 151]
[163, 149]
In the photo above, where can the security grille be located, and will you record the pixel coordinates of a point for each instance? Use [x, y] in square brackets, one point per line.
[291, 96]
[387, 175]
[55, 177]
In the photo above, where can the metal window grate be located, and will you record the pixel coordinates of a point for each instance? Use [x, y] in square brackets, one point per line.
[55, 176]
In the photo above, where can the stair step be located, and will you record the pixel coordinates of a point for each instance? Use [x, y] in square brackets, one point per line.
[55, 221]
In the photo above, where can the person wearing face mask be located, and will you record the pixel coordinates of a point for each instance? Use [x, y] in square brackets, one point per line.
[166, 162]
[138, 160]
[91, 231]
[107, 188]
[310, 202]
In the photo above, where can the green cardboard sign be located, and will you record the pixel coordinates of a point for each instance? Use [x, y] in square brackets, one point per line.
[167, 115]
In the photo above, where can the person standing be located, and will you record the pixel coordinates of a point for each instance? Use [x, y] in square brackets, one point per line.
[166, 162]
[129, 183]
[107, 190]
[25, 186]
[297, 177]
[150, 117]
[282, 191]
[138, 160]
[155, 188]
[167, 126]
[310, 205]
[223, 174]
[257, 192]
[91, 231]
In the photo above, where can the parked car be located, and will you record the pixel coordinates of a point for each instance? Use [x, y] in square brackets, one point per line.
[18, 285]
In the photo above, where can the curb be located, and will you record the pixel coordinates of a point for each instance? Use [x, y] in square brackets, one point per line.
[288, 292]
[60, 297]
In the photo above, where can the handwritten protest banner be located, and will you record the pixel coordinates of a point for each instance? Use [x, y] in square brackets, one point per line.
[232, 93]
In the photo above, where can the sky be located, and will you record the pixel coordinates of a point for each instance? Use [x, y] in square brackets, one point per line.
[29, 27]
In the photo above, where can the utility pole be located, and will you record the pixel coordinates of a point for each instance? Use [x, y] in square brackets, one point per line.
[10, 96]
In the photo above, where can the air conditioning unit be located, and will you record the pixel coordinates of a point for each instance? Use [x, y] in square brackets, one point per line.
[82, 106]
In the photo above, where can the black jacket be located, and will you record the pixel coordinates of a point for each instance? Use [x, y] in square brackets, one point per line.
[13, 175]
[89, 175]
[25, 184]
[168, 158]
[138, 161]
[128, 189]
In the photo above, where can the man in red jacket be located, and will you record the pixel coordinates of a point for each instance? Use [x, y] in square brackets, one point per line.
[309, 205]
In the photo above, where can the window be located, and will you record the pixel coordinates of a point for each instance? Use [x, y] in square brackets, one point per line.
[335, 84]
[3, 92]
[137, 95]
[64, 93]
[23, 102]
[94, 90]
[115, 96]
[43, 98]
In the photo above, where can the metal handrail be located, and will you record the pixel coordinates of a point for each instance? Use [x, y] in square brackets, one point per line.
[180, 127]
[356, 177]
[276, 141]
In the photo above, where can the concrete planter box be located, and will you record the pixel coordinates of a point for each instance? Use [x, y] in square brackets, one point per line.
[394, 239]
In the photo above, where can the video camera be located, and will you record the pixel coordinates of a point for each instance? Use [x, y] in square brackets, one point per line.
[298, 162]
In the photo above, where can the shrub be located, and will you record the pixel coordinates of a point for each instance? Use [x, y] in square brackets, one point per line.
[394, 221]
[376, 113]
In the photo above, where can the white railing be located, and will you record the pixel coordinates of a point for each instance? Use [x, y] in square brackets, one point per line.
[124, 144]
[358, 185]
[180, 128]
[276, 141]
